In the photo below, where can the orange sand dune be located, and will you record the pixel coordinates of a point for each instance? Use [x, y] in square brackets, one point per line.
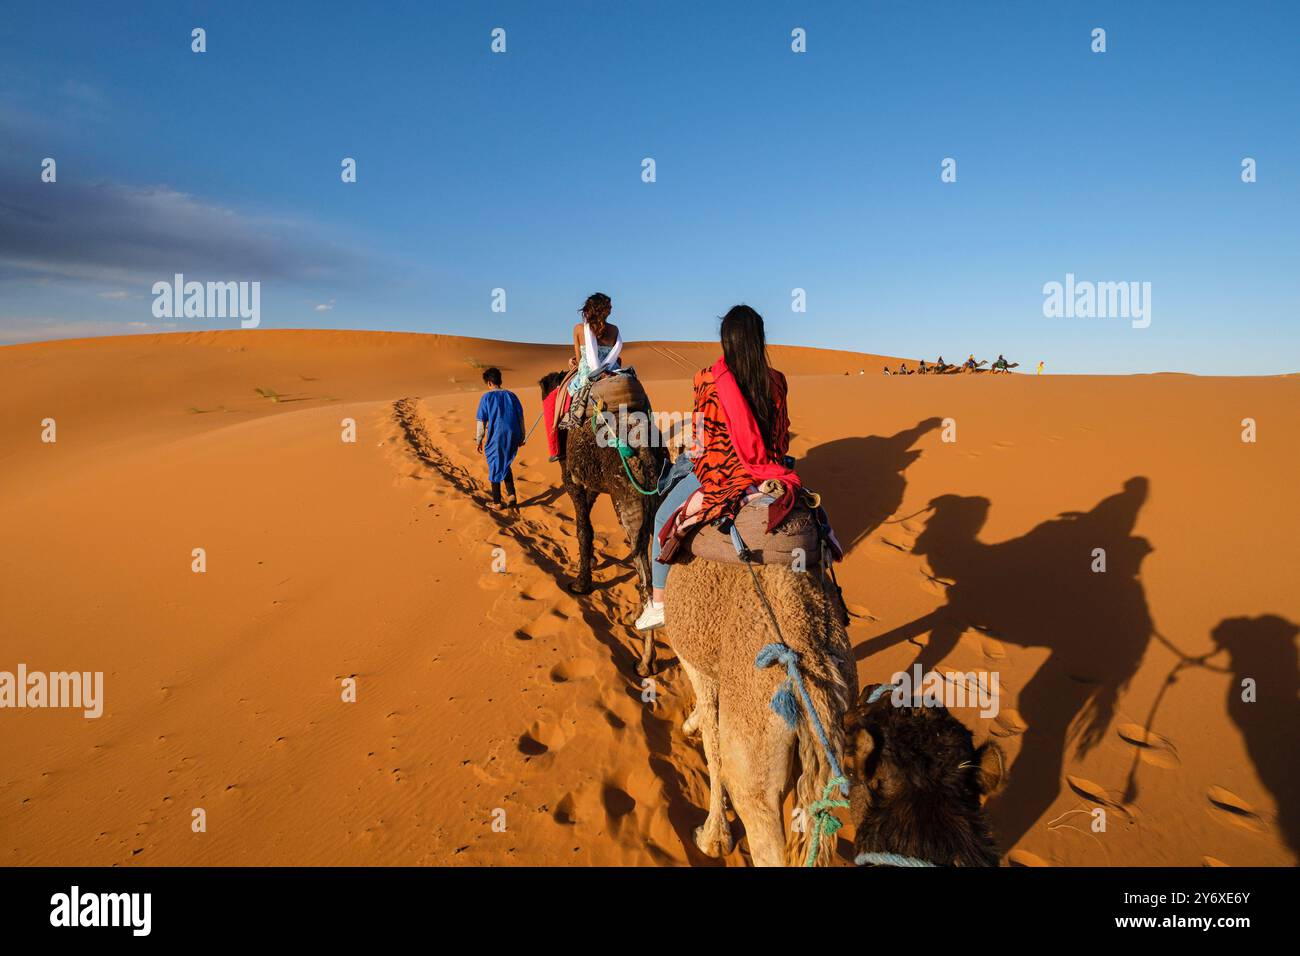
[497, 718]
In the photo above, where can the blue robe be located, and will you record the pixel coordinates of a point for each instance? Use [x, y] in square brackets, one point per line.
[500, 410]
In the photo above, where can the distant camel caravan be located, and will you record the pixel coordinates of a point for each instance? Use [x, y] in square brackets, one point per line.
[940, 367]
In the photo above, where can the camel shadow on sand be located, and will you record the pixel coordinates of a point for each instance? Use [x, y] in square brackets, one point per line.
[1263, 650]
[1040, 590]
[873, 468]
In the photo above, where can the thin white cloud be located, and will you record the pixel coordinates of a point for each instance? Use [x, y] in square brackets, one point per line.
[15, 331]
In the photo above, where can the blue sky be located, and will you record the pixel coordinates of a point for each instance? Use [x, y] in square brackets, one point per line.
[775, 170]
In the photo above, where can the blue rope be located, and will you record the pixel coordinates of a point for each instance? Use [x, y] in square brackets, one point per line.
[880, 692]
[825, 823]
[888, 859]
[783, 701]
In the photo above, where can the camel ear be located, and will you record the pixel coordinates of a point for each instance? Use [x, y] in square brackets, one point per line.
[990, 768]
[858, 744]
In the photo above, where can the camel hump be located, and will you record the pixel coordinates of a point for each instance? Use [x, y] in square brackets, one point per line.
[621, 391]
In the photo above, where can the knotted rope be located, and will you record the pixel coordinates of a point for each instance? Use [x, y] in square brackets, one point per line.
[784, 704]
[888, 859]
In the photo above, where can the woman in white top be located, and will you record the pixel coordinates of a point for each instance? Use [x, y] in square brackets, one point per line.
[597, 343]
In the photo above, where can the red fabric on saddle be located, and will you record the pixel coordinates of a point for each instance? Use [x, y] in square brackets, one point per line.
[750, 447]
[550, 416]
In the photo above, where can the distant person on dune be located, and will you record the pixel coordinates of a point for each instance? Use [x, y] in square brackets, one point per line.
[499, 433]
[1039, 370]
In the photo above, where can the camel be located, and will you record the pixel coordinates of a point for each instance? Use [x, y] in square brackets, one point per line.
[919, 784]
[717, 624]
[589, 470]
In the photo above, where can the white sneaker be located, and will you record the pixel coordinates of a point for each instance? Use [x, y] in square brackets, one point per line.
[651, 618]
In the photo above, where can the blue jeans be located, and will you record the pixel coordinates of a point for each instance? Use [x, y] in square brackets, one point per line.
[687, 484]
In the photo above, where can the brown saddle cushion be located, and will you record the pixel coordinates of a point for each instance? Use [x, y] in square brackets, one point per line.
[614, 392]
[798, 530]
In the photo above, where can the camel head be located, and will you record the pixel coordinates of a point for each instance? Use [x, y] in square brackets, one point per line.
[550, 382]
[919, 783]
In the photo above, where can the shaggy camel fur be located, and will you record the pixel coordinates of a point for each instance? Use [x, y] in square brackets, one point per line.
[717, 624]
[589, 470]
[919, 784]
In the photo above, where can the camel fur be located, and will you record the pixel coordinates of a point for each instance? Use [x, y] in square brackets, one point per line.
[716, 623]
[589, 470]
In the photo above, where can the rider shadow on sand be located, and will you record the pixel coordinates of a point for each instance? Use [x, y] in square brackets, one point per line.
[872, 468]
[1040, 590]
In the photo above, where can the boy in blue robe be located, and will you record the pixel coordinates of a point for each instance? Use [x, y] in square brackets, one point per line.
[499, 433]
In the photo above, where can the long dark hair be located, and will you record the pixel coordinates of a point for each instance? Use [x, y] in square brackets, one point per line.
[595, 311]
[744, 346]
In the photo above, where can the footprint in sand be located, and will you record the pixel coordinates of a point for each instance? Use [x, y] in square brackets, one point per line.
[618, 803]
[580, 669]
[1153, 749]
[1093, 791]
[859, 611]
[1232, 809]
[1025, 858]
[968, 682]
[548, 625]
[530, 747]
[565, 812]
[936, 585]
[547, 733]
[975, 640]
[1008, 723]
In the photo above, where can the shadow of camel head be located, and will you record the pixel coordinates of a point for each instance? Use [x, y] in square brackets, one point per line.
[1253, 637]
[861, 478]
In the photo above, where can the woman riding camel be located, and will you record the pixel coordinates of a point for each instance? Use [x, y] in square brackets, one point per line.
[597, 345]
[742, 434]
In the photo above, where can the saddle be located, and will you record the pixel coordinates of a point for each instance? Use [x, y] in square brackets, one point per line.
[746, 540]
[622, 390]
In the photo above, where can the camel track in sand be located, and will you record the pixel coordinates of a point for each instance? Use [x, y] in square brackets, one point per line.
[676, 762]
